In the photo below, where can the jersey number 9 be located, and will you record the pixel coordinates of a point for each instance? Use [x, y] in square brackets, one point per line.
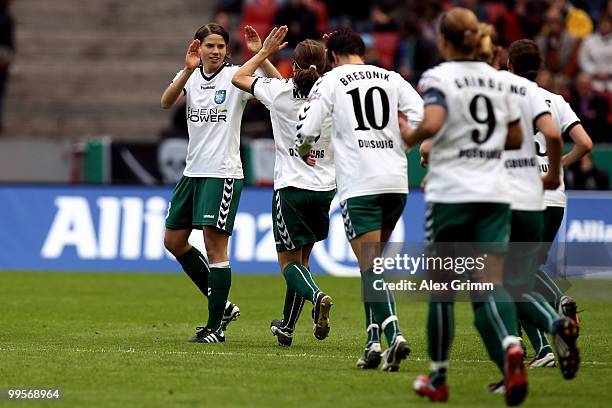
[489, 119]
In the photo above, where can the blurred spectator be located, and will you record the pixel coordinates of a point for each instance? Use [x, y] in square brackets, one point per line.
[558, 47]
[531, 13]
[583, 175]
[474, 5]
[300, 19]
[595, 55]
[577, 20]
[545, 79]
[320, 10]
[351, 13]
[591, 108]
[7, 51]
[260, 15]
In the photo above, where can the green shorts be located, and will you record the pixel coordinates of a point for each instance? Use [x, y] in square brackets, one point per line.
[300, 217]
[204, 201]
[371, 212]
[553, 217]
[487, 224]
[522, 260]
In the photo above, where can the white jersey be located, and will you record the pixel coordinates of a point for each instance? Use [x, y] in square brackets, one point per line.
[465, 162]
[363, 102]
[565, 118]
[524, 178]
[214, 113]
[284, 102]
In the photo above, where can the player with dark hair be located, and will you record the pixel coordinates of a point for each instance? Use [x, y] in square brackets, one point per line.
[371, 170]
[302, 193]
[526, 61]
[207, 196]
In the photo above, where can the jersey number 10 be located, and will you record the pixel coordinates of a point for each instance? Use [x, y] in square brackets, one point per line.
[369, 108]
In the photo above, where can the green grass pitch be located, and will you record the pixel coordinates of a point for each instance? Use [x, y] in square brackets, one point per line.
[118, 340]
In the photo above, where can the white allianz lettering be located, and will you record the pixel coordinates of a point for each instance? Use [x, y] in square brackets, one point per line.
[72, 226]
[155, 227]
[108, 227]
[243, 237]
[131, 231]
[265, 251]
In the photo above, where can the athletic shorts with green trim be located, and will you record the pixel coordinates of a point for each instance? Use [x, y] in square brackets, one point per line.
[204, 201]
[523, 258]
[300, 217]
[371, 212]
[487, 224]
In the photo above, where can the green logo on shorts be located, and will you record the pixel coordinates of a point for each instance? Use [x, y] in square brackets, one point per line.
[220, 96]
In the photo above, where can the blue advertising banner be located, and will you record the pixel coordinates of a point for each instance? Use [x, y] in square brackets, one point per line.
[76, 228]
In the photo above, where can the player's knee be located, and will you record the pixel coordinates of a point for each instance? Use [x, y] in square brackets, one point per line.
[175, 246]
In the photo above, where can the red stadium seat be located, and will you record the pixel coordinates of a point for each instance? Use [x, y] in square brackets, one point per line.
[385, 44]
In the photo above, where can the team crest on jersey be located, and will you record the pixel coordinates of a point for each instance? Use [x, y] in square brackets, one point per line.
[220, 96]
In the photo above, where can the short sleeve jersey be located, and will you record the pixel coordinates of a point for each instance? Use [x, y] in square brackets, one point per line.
[522, 165]
[465, 162]
[284, 102]
[565, 118]
[214, 113]
[363, 102]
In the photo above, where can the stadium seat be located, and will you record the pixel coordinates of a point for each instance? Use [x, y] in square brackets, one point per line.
[385, 44]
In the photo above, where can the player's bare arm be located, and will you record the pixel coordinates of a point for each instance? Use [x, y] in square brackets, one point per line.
[243, 78]
[582, 145]
[175, 90]
[433, 120]
[254, 45]
[554, 150]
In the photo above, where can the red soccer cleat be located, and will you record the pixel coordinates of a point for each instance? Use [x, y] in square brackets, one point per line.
[515, 379]
[423, 387]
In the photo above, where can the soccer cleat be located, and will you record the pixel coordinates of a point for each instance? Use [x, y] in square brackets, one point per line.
[283, 335]
[423, 387]
[497, 388]
[230, 314]
[393, 356]
[565, 334]
[206, 335]
[515, 378]
[568, 308]
[371, 357]
[548, 360]
[320, 315]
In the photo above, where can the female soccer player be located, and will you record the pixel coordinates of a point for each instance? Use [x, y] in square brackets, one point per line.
[470, 117]
[302, 193]
[207, 196]
[371, 170]
[527, 223]
[525, 59]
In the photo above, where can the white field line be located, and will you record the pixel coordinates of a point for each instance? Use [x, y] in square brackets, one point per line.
[245, 354]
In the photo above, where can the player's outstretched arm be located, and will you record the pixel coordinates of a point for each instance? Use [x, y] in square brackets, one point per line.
[255, 45]
[243, 78]
[174, 91]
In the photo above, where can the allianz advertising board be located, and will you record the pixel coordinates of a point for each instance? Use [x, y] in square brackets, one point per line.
[69, 228]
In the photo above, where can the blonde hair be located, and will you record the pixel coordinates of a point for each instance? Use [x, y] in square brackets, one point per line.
[487, 49]
[461, 29]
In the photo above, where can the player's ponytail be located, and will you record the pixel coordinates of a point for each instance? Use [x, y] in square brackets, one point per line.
[309, 65]
[461, 29]
[488, 45]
